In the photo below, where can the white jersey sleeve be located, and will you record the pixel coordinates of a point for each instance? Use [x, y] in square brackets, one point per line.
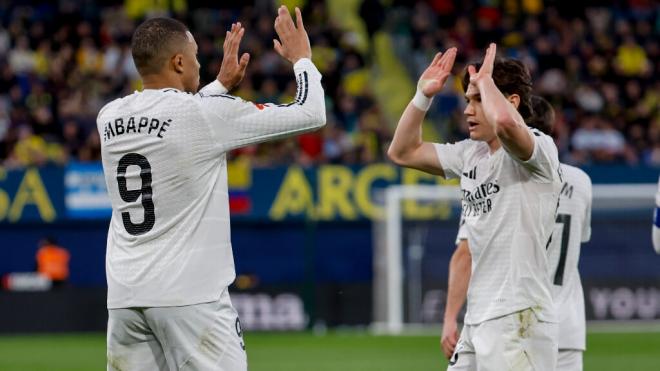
[544, 161]
[451, 157]
[214, 87]
[234, 122]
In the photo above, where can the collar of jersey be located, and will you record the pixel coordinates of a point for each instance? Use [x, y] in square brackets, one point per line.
[161, 89]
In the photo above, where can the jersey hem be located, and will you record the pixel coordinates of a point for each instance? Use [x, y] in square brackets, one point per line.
[541, 318]
[156, 304]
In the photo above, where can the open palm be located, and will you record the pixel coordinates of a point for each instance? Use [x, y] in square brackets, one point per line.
[486, 70]
[436, 74]
[232, 70]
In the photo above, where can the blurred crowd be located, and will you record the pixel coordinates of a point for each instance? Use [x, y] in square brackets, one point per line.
[598, 64]
[60, 62]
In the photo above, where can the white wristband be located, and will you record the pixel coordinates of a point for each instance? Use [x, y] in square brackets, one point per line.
[421, 101]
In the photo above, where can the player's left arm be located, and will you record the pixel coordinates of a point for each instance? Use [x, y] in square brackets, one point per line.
[234, 122]
[500, 111]
[460, 270]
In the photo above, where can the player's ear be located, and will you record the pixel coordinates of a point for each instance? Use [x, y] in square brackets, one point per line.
[514, 99]
[177, 63]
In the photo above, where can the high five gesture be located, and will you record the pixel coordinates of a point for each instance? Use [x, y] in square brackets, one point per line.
[294, 42]
[407, 148]
[486, 70]
[232, 70]
[437, 73]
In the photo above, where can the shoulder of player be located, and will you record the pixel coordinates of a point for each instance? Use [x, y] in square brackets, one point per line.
[575, 174]
[579, 181]
[472, 149]
[171, 92]
[539, 135]
[111, 105]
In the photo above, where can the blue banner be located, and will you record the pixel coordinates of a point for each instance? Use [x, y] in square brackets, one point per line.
[86, 194]
[31, 195]
[322, 193]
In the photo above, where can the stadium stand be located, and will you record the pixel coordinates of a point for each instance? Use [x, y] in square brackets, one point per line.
[61, 62]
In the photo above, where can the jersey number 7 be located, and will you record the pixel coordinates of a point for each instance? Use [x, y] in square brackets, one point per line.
[565, 220]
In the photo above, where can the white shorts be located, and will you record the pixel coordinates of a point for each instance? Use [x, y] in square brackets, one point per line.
[194, 337]
[569, 360]
[518, 341]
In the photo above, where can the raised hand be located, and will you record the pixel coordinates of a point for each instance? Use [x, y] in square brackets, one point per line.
[436, 74]
[232, 70]
[294, 42]
[486, 70]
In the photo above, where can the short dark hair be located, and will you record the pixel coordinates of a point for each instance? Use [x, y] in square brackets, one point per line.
[544, 115]
[155, 41]
[511, 77]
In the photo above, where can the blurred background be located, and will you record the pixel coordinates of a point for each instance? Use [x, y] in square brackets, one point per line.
[306, 210]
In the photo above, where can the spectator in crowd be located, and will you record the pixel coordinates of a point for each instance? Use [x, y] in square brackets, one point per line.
[53, 262]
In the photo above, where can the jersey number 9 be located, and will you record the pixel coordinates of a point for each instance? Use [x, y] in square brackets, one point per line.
[133, 194]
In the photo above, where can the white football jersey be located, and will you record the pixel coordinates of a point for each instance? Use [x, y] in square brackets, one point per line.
[572, 227]
[165, 167]
[509, 211]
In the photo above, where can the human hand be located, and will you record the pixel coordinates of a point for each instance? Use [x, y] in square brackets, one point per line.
[449, 337]
[232, 70]
[294, 42]
[486, 70]
[437, 73]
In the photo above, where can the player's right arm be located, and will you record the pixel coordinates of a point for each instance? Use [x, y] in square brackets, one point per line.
[460, 270]
[407, 148]
[237, 123]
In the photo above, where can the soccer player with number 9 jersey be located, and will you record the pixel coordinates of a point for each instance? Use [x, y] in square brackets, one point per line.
[169, 258]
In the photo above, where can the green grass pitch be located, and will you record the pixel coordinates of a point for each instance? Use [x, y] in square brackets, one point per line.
[350, 351]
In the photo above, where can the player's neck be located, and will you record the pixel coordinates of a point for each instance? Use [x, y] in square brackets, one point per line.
[494, 144]
[161, 81]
